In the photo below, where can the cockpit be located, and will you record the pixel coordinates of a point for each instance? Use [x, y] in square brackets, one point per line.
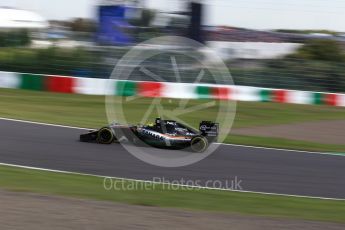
[169, 127]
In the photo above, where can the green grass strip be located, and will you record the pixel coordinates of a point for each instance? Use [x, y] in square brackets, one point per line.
[27, 180]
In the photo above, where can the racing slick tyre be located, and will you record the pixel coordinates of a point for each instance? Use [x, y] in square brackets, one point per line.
[105, 136]
[199, 144]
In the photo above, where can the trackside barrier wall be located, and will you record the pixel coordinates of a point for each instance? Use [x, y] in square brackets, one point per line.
[95, 86]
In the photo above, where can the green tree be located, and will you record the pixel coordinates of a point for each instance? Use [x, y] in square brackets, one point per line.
[321, 50]
[14, 38]
[82, 25]
[145, 20]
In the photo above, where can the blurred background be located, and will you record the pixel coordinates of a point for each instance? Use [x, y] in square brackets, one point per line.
[287, 61]
[293, 45]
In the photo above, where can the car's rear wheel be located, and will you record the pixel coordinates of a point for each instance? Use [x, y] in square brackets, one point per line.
[199, 144]
[105, 136]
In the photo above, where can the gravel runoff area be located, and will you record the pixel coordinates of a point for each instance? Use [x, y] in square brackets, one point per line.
[19, 210]
[325, 132]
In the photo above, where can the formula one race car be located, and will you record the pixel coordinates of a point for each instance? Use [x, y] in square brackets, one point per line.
[162, 134]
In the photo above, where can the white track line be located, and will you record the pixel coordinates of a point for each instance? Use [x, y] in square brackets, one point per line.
[41, 123]
[244, 146]
[172, 184]
[286, 150]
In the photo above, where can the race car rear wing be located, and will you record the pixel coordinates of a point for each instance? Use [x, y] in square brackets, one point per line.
[209, 129]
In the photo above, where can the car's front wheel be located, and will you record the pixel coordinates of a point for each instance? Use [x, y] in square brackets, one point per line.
[199, 144]
[105, 136]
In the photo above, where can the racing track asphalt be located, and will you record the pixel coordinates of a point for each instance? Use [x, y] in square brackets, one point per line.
[262, 170]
